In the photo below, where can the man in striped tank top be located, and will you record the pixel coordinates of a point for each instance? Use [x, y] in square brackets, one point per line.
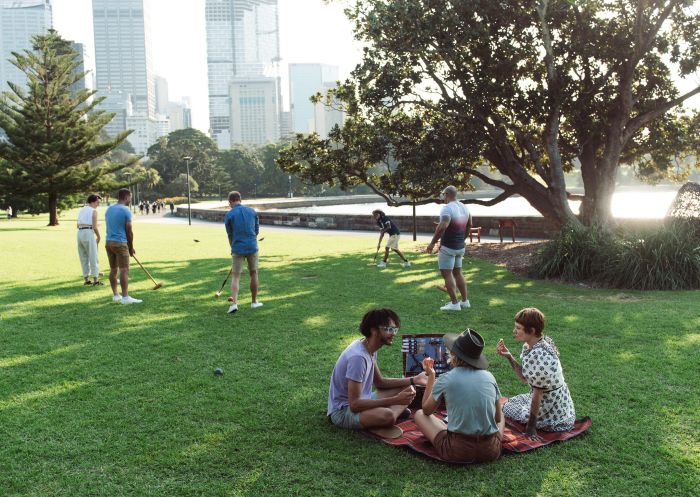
[452, 230]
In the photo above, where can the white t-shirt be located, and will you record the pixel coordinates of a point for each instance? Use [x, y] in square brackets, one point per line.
[458, 214]
[85, 216]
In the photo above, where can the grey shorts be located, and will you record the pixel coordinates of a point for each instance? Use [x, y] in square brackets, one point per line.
[345, 418]
[450, 258]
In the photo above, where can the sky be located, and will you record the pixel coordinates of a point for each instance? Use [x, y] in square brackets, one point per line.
[310, 31]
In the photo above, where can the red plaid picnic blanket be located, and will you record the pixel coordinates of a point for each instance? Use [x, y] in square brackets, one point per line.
[515, 440]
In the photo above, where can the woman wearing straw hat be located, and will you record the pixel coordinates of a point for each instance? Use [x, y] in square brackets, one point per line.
[475, 428]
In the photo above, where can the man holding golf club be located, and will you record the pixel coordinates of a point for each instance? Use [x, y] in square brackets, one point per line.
[242, 227]
[120, 246]
[388, 226]
[451, 231]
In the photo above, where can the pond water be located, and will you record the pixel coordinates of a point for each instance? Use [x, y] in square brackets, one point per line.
[646, 204]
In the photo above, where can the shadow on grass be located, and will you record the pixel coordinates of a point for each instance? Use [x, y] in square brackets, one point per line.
[140, 407]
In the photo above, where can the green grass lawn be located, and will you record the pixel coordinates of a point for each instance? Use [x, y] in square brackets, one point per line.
[106, 400]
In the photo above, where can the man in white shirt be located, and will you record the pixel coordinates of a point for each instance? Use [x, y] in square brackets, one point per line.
[88, 239]
[452, 230]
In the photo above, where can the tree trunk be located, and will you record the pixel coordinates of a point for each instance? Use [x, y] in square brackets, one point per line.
[599, 183]
[53, 209]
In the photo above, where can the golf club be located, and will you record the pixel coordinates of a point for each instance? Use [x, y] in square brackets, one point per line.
[218, 294]
[379, 243]
[157, 285]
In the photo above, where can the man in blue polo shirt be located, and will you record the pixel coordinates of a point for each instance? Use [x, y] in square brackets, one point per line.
[242, 228]
[120, 246]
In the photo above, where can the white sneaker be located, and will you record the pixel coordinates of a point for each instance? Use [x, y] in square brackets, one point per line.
[406, 264]
[255, 305]
[233, 308]
[116, 298]
[130, 300]
[464, 304]
[451, 307]
[381, 265]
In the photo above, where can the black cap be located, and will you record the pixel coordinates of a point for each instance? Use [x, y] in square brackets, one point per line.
[93, 198]
[467, 346]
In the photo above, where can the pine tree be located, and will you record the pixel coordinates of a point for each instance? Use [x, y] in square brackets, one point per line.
[53, 133]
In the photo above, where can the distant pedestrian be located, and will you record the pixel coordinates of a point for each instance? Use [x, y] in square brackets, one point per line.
[148, 206]
[388, 227]
[9, 212]
[141, 208]
[172, 208]
[451, 231]
[120, 246]
[89, 239]
[242, 227]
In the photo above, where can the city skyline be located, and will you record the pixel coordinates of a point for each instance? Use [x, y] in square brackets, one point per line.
[310, 31]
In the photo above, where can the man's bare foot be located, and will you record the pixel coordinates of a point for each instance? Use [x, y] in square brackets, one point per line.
[391, 432]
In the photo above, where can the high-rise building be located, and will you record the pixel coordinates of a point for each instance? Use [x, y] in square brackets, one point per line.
[86, 82]
[285, 124]
[326, 117]
[162, 97]
[186, 113]
[20, 20]
[242, 42]
[255, 111]
[305, 80]
[124, 67]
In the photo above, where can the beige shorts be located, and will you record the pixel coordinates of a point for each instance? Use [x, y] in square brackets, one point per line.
[393, 242]
[238, 262]
[118, 255]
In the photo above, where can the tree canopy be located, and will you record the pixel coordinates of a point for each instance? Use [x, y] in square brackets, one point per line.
[53, 133]
[167, 157]
[530, 89]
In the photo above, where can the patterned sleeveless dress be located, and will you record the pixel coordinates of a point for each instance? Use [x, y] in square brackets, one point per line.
[542, 369]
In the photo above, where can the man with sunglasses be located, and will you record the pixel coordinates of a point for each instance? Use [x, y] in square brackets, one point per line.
[351, 402]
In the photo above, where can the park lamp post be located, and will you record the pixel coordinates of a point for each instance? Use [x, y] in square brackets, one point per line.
[187, 160]
[290, 187]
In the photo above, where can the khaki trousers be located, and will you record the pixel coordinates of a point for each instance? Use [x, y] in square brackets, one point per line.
[87, 251]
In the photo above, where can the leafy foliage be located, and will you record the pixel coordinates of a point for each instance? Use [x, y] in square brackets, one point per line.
[664, 259]
[167, 157]
[532, 88]
[54, 134]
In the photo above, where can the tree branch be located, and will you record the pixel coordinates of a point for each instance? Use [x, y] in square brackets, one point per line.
[635, 124]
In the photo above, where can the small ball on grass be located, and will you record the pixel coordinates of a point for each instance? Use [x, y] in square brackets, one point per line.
[218, 372]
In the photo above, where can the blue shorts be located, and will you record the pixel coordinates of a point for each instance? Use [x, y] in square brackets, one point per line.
[450, 258]
[345, 418]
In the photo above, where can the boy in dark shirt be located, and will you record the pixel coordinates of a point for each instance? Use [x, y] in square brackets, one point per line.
[387, 226]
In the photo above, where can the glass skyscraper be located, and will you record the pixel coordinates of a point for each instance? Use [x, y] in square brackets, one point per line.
[20, 20]
[242, 42]
[305, 80]
[124, 62]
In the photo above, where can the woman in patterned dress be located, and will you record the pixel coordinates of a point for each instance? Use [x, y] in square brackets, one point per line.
[548, 406]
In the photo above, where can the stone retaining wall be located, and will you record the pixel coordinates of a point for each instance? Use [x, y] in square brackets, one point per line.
[527, 226]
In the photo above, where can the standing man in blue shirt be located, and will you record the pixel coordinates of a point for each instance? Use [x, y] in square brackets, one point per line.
[120, 246]
[242, 226]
